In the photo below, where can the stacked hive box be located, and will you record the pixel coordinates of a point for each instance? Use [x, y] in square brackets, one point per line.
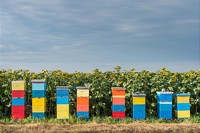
[38, 98]
[182, 105]
[164, 105]
[82, 102]
[118, 102]
[18, 99]
[139, 106]
[62, 101]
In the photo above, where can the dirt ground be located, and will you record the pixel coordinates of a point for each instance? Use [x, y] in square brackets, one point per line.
[94, 127]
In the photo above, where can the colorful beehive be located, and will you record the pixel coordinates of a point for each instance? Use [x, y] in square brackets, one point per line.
[82, 105]
[182, 105]
[38, 98]
[118, 102]
[139, 106]
[18, 99]
[164, 105]
[62, 102]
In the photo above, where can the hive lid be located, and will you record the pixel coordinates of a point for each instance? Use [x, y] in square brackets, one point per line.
[38, 81]
[82, 87]
[62, 87]
[138, 94]
[18, 81]
[182, 94]
[119, 88]
[164, 92]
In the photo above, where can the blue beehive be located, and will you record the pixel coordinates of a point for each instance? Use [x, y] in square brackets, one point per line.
[164, 105]
[139, 106]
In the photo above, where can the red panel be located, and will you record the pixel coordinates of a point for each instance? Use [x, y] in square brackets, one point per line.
[118, 100]
[18, 109]
[118, 114]
[16, 115]
[18, 93]
[82, 108]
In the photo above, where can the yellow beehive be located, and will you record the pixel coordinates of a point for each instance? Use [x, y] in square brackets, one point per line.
[38, 102]
[82, 93]
[19, 85]
[138, 100]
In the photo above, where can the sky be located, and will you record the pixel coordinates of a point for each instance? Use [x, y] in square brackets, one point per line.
[81, 35]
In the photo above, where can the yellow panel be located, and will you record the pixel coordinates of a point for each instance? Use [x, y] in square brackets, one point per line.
[182, 114]
[38, 109]
[18, 85]
[38, 102]
[62, 115]
[62, 107]
[183, 99]
[138, 100]
[82, 93]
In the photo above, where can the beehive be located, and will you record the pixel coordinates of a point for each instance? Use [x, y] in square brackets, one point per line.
[118, 102]
[62, 102]
[38, 98]
[182, 105]
[139, 106]
[18, 99]
[164, 105]
[82, 104]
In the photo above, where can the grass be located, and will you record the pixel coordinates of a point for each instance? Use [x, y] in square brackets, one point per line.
[106, 120]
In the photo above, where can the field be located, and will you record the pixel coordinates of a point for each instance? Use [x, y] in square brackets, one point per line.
[94, 127]
[97, 124]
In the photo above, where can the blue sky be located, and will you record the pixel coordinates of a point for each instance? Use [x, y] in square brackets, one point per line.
[81, 35]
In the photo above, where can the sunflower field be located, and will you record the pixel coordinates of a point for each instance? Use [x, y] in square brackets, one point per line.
[100, 84]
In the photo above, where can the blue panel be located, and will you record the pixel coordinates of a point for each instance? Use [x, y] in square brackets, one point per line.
[18, 101]
[164, 107]
[39, 86]
[164, 97]
[165, 115]
[118, 108]
[62, 100]
[62, 93]
[138, 115]
[38, 115]
[83, 115]
[182, 106]
[38, 93]
[139, 107]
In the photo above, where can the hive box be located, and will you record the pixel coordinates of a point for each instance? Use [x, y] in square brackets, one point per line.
[139, 106]
[38, 98]
[164, 105]
[182, 105]
[62, 102]
[82, 105]
[18, 99]
[118, 102]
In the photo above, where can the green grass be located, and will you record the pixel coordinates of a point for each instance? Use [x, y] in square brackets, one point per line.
[107, 120]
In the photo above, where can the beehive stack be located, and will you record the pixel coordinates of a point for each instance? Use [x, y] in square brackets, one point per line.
[38, 98]
[118, 102]
[182, 105]
[82, 106]
[18, 99]
[62, 101]
[139, 106]
[164, 105]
